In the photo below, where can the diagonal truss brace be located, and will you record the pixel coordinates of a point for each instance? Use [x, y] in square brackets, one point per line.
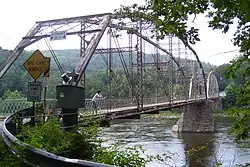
[18, 50]
[134, 31]
[90, 50]
[32, 37]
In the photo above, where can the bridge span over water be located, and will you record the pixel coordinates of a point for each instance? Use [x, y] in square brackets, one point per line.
[157, 74]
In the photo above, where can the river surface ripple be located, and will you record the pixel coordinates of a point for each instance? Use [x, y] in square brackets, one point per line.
[156, 137]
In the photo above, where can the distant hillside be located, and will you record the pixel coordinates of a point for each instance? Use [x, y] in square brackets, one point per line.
[16, 78]
[69, 58]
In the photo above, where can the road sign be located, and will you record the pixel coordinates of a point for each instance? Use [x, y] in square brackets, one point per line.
[36, 64]
[34, 91]
[58, 35]
[46, 72]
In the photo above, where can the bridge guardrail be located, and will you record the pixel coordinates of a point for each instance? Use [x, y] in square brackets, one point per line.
[10, 106]
[37, 156]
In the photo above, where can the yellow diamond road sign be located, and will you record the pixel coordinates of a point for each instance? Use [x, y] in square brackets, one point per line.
[36, 64]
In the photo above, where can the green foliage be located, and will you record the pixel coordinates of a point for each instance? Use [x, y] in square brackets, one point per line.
[46, 136]
[240, 68]
[7, 159]
[124, 157]
[171, 17]
[12, 95]
[228, 101]
[241, 126]
[17, 77]
[219, 73]
[84, 144]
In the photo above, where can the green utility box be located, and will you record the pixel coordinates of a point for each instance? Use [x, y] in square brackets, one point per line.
[70, 97]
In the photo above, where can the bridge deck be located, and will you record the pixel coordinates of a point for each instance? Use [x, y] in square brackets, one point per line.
[122, 112]
[178, 102]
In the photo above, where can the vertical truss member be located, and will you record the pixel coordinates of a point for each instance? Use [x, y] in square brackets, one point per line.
[131, 66]
[139, 85]
[171, 70]
[82, 51]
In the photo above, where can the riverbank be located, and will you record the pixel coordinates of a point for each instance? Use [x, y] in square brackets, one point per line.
[176, 115]
[163, 114]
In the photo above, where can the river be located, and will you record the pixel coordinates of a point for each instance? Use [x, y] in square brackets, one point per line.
[156, 137]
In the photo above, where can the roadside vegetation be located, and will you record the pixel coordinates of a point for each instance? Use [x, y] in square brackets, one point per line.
[7, 159]
[81, 145]
[170, 18]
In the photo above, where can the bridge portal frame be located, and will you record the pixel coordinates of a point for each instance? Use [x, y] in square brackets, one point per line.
[88, 21]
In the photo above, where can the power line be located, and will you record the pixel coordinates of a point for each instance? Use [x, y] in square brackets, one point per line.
[225, 52]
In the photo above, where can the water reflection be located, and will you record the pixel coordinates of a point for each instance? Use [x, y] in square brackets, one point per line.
[199, 148]
[156, 137]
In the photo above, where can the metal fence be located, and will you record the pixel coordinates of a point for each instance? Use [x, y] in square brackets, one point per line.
[9, 106]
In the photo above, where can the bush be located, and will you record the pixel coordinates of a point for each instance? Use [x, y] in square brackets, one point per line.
[82, 145]
[124, 157]
[48, 136]
[7, 159]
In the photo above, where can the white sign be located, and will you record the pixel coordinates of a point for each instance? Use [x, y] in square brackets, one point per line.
[34, 91]
[58, 35]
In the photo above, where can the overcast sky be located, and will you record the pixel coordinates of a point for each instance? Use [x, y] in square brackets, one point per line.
[18, 16]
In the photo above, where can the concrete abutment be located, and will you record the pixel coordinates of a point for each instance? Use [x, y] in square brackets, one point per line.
[197, 117]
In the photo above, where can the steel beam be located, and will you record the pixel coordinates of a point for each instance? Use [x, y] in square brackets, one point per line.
[139, 86]
[134, 31]
[131, 69]
[112, 50]
[84, 61]
[171, 71]
[82, 52]
[154, 63]
[69, 33]
[18, 50]
[70, 20]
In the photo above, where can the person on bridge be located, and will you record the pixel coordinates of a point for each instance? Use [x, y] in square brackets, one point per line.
[95, 99]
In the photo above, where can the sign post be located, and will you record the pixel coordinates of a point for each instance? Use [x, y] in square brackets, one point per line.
[35, 65]
[34, 91]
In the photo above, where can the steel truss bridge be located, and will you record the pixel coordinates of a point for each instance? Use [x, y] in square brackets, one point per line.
[159, 73]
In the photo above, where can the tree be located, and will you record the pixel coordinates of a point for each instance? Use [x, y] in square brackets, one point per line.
[222, 81]
[170, 17]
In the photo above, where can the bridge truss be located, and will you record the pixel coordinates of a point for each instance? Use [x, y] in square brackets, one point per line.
[156, 70]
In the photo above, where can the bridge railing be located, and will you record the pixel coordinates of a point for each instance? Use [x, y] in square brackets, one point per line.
[9, 106]
[35, 156]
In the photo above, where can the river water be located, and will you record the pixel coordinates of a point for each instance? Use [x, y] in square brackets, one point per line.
[156, 137]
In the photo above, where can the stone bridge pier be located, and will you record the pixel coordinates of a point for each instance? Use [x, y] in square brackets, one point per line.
[197, 117]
